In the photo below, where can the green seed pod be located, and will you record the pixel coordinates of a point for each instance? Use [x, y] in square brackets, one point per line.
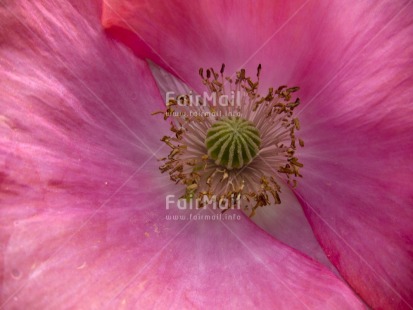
[233, 142]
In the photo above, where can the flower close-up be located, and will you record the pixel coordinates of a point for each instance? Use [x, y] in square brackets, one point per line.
[231, 154]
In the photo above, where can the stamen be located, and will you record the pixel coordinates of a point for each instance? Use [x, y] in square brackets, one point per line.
[233, 143]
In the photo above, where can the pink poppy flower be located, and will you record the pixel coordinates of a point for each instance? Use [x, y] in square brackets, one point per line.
[83, 217]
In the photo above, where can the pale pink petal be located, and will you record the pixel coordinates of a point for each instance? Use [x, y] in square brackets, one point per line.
[288, 224]
[83, 217]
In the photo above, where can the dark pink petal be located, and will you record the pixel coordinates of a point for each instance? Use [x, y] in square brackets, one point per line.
[353, 62]
[83, 217]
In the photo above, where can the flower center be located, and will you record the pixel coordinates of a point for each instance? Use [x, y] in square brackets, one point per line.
[216, 139]
[233, 142]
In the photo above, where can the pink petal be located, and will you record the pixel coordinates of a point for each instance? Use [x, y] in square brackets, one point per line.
[286, 222]
[132, 258]
[358, 197]
[83, 218]
[353, 63]
[184, 36]
[357, 189]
